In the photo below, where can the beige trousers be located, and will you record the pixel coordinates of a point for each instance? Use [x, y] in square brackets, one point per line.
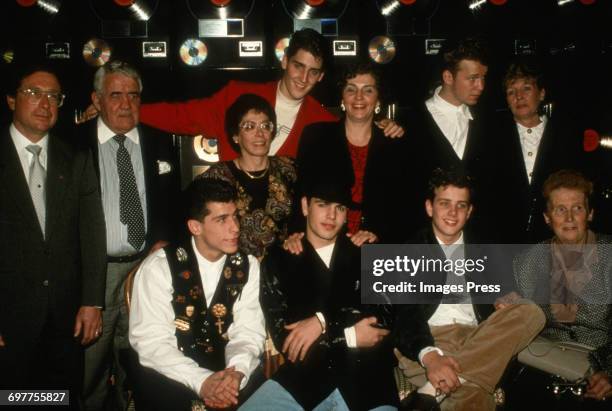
[482, 351]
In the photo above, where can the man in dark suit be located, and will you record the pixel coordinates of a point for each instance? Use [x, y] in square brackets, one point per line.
[52, 258]
[468, 345]
[531, 146]
[312, 304]
[445, 130]
[139, 182]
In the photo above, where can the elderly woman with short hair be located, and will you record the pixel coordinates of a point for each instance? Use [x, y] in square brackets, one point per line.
[570, 275]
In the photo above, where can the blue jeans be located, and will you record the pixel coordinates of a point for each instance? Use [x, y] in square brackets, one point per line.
[271, 396]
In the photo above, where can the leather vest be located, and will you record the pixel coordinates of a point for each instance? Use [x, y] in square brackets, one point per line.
[201, 328]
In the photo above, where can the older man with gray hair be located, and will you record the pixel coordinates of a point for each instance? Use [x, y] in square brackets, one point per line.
[139, 180]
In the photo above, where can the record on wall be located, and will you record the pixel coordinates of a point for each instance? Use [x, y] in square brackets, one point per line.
[96, 52]
[124, 9]
[46, 6]
[193, 52]
[403, 9]
[315, 9]
[220, 9]
[206, 149]
[381, 49]
[279, 49]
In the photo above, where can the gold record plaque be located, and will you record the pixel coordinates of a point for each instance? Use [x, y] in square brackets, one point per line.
[193, 52]
[382, 49]
[96, 52]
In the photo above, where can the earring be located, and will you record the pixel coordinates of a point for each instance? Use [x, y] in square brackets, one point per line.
[377, 109]
[342, 107]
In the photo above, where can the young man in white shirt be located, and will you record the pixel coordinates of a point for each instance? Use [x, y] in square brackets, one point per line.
[195, 318]
[470, 344]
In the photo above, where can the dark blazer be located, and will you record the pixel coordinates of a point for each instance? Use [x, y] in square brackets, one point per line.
[324, 149]
[426, 236]
[593, 324]
[295, 288]
[162, 189]
[523, 203]
[48, 279]
[430, 149]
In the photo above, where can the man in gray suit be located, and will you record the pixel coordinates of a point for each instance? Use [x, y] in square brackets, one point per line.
[53, 254]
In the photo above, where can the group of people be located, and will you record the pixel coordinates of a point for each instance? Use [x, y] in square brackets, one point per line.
[267, 241]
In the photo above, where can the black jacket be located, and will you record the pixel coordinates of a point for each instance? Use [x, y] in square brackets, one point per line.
[324, 149]
[295, 288]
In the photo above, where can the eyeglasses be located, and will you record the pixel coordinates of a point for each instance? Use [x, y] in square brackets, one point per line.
[562, 211]
[250, 126]
[34, 95]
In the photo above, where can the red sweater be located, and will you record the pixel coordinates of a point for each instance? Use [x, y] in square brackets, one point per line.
[206, 115]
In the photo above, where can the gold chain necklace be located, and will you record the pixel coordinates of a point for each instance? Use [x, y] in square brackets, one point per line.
[253, 176]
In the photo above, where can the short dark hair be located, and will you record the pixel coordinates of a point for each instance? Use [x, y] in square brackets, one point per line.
[362, 67]
[239, 108]
[569, 179]
[311, 41]
[523, 69]
[454, 176]
[204, 190]
[20, 71]
[454, 51]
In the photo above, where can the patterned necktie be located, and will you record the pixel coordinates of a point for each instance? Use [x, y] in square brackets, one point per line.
[130, 209]
[36, 180]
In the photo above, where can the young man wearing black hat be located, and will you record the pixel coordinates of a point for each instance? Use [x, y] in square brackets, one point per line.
[333, 345]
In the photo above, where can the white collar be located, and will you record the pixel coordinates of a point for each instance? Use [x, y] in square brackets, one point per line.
[458, 242]
[105, 133]
[21, 141]
[448, 108]
[539, 128]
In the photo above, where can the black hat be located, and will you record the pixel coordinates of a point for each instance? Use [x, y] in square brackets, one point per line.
[328, 187]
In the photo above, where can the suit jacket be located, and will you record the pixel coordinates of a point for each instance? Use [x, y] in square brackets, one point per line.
[427, 236]
[429, 149]
[593, 324]
[162, 188]
[295, 288]
[560, 147]
[46, 280]
[207, 115]
[324, 149]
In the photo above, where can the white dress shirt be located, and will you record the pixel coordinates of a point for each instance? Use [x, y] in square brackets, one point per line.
[453, 120]
[447, 314]
[116, 232]
[530, 138]
[152, 317]
[349, 333]
[286, 112]
[25, 157]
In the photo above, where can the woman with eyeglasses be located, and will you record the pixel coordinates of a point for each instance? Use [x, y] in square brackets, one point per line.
[570, 277]
[265, 183]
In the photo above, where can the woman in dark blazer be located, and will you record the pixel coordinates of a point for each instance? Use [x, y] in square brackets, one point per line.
[356, 149]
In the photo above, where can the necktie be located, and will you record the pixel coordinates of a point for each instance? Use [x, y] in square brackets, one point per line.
[130, 209]
[36, 181]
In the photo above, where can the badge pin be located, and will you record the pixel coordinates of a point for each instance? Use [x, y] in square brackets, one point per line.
[219, 311]
[181, 254]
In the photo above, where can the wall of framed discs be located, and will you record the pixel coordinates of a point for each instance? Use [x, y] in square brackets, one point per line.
[190, 48]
